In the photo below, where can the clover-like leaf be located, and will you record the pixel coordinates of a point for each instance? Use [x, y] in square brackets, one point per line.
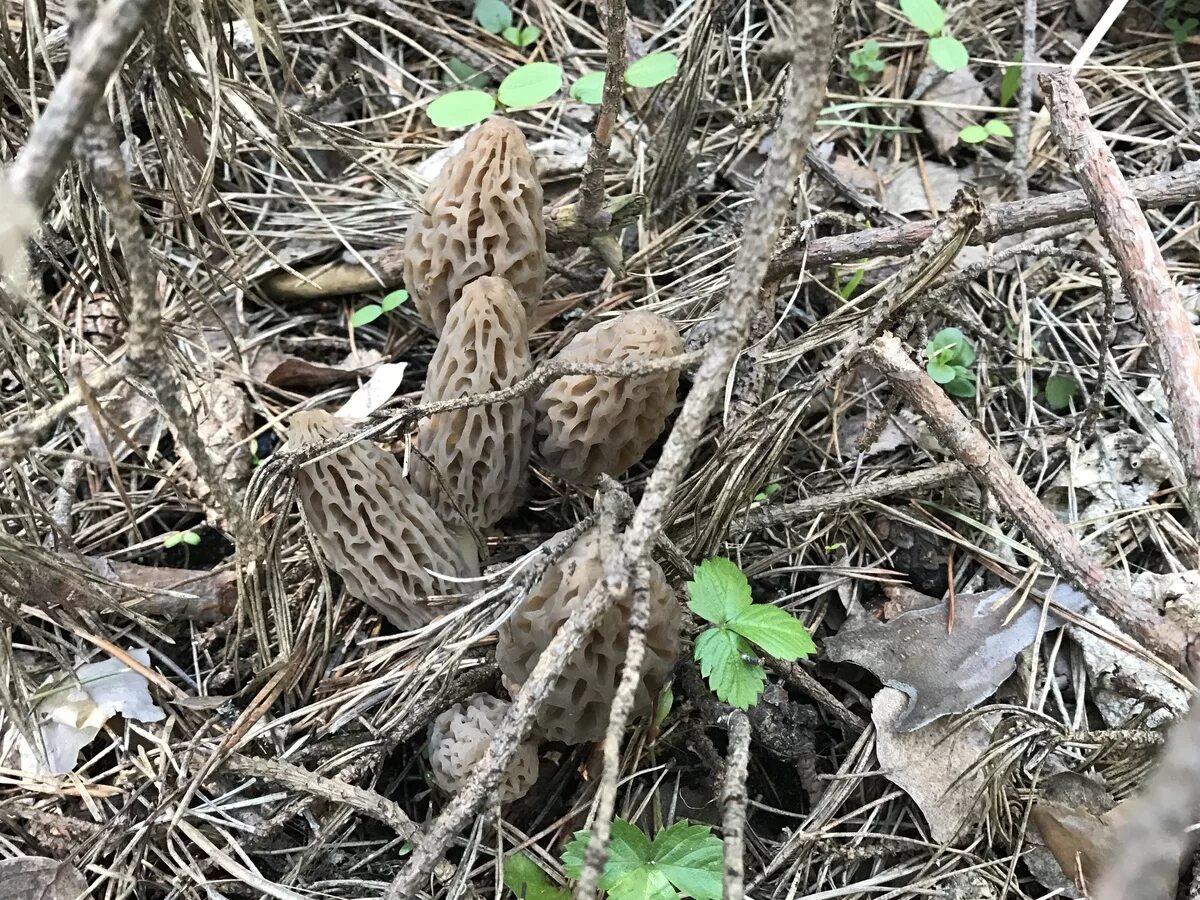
[939, 371]
[529, 84]
[493, 15]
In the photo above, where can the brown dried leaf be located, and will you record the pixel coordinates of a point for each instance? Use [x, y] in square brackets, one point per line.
[944, 122]
[942, 673]
[930, 763]
[40, 878]
[912, 190]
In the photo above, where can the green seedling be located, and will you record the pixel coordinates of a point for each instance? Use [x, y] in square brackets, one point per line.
[1060, 389]
[175, 538]
[521, 37]
[865, 63]
[365, 315]
[1010, 82]
[647, 72]
[728, 652]
[524, 86]
[977, 134]
[493, 16]
[950, 357]
[767, 493]
[946, 52]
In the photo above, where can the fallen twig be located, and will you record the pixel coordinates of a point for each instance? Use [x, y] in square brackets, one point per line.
[1143, 271]
[1060, 547]
[733, 801]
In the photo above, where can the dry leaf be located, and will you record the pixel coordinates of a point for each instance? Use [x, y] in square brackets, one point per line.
[943, 122]
[40, 878]
[125, 409]
[942, 673]
[910, 190]
[930, 763]
[221, 416]
[1076, 820]
[899, 431]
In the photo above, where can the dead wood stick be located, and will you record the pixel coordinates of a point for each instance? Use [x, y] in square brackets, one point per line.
[1060, 547]
[591, 187]
[733, 802]
[1154, 191]
[1143, 271]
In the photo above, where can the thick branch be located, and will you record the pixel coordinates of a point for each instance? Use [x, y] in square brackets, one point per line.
[1143, 271]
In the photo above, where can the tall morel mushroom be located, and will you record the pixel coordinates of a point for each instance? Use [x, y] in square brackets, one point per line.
[578, 706]
[481, 216]
[590, 424]
[374, 530]
[460, 736]
[480, 452]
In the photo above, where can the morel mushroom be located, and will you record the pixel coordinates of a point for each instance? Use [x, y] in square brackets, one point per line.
[481, 452]
[372, 527]
[460, 736]
[481, 216]
[578, 706]
[590, 424]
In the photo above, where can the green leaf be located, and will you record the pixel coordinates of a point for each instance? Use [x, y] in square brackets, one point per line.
[939, 372]
[589, 88]
[735, 681]
[718, 590]
[462, 74]
[925, 15]
[1010, 83]
[1059, 391]
[998, 128]
[530, 84]
[776, 631]
[949, 346]
[651, 70]
[962, 386]
[458, 109]
[527, 881]
[662, 709]
[973, 134]
[493, 15]
[522, 37]
[190, 538]
[628, 849]
[392, 300]
[643, 883]
[174, 539]
[846, 291]
[692, 858]
[365, 315]
[948, 53]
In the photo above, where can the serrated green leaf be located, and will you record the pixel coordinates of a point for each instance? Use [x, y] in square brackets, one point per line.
[589, 88]
[191, 538]
[925, 15]
[948, 53]
[174, 539]
[939, 372]
[775, 631]
[652, 69]
[719, 652]
[1010, 83]
[973, 134]
[458, 109]
[628, 849]
[392, 300]
[365, 315]
[998, 128]
[692, 858]
[643, 883]
[1059, 391]
[529, 84]
[527, 881]
[718, 590]
[493, 15]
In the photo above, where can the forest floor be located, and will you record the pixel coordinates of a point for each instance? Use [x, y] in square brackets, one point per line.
[969, 720]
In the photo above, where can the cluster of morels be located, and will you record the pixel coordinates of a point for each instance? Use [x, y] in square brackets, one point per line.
[475, 265]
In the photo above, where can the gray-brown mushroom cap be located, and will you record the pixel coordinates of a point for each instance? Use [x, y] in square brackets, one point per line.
[460, 736]
[481, 216]
[578, 706]
[480, 453]
[373, 529]
[592, 424]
